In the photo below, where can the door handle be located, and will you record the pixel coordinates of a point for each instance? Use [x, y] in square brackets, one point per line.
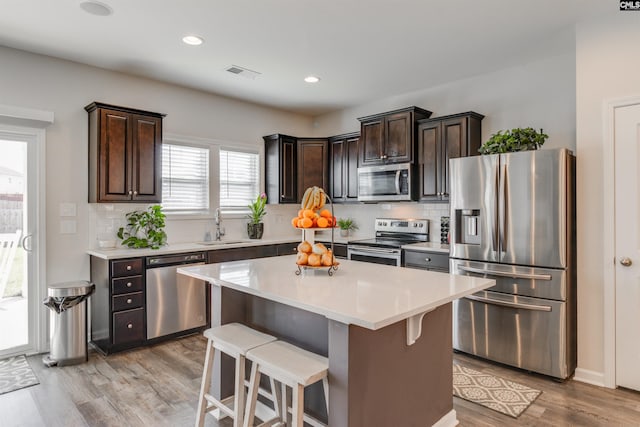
[533, 307]
[23, 242]
[626, 262]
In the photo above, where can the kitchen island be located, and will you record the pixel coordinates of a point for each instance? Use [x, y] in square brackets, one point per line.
[385, 330]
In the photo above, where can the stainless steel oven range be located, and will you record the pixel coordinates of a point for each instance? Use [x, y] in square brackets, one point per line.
[391, 234]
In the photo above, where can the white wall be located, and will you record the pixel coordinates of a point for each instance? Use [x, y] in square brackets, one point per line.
[63, 87]
[607, 68]
[539, 94]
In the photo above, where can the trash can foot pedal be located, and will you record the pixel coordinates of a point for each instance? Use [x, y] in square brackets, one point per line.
[48, 361]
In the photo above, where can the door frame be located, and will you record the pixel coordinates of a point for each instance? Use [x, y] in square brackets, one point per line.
[609, 240]
[29, 125]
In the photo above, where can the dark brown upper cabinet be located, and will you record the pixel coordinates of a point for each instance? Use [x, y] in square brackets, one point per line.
[441, 139]
[313, 164]
[125, 154]
[343, 175]
[294, 164]
[389, 137]
[280, 168]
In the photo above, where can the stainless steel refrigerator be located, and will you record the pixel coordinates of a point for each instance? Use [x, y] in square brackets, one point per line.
[512, 219]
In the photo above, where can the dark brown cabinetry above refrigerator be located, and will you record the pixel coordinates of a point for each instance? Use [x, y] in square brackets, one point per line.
[294, 164]
[343, 179]
[441, 139]
[125, 154]
[389, 137]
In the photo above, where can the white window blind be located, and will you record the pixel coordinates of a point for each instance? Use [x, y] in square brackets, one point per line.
[185, 178]
[239, 180]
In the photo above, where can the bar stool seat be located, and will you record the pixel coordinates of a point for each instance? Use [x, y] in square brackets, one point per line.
[235, 340]
[290, 366]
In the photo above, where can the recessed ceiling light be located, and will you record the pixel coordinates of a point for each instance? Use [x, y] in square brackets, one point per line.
[193, 40]
[312, 79]
[96, 8]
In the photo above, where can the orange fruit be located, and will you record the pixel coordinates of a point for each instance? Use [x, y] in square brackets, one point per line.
[294, 221]
[326, 213]
[300, 213]
[314, 221]
[300, 222]
[306, 222]
[308, 213]
[323, 222]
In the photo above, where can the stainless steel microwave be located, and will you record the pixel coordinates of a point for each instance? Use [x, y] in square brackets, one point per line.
[385, 183]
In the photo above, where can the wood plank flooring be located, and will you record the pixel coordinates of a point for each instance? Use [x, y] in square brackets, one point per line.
[159, 385]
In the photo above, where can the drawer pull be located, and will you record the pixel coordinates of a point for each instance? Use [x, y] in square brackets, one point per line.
[428, 259]
[129, 284]
[129, 268]
[130, 326]
[129, 301]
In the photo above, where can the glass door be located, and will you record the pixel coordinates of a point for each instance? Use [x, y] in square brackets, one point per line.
[20, 315]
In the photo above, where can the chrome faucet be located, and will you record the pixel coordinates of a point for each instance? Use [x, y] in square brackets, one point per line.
[218, 220]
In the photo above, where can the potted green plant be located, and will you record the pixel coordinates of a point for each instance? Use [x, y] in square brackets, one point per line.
[255, 227]
[518, 139]
[346, 225]
[144, 229]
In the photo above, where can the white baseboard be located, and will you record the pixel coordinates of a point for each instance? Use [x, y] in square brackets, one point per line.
[589, 377]
[449, 420]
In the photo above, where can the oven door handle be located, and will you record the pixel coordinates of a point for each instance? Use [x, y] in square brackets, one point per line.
[369, 251]
[512, 275]
[509, 304]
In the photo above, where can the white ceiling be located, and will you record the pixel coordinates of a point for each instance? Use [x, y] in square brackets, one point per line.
[362, 50]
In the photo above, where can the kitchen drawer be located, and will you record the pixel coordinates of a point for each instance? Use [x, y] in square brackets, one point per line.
[126, 267]
[426, 260]
[128, 301]
[126, 285]
[287, 248]
[128, 326]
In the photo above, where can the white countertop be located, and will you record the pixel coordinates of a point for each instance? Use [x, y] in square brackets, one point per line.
[176, 248]
[427, 247]
[368, 295]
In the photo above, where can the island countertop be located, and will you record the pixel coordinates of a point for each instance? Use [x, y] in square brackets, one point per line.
[364, 294]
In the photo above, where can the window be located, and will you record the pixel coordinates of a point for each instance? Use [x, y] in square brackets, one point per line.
[185, 178]
[239, 180]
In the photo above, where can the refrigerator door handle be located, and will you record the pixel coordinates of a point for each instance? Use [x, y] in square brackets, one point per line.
[494, 233]
[502, 208]
[512, 275]
[509, 304]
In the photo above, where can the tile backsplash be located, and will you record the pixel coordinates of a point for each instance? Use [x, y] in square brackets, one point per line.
[105, 219]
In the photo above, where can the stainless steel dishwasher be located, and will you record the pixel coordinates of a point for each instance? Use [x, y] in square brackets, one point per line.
[175, 303]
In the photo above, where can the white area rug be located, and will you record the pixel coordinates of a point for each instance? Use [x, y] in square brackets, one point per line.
[15, 373]
[493, 392]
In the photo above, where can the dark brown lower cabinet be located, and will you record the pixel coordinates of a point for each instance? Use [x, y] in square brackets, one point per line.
[118, 320]
[434, 261]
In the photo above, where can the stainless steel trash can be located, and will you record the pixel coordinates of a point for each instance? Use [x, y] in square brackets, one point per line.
[68, 322]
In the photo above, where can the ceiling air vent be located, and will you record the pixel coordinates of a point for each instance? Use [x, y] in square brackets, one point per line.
[244, 72]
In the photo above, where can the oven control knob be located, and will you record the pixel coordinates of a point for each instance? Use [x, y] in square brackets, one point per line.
[415, 224]
[384, 223]
[421, 225]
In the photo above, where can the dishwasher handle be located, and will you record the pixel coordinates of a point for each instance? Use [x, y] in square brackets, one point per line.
[176, 259]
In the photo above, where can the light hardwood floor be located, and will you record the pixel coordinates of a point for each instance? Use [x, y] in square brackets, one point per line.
[158, 386]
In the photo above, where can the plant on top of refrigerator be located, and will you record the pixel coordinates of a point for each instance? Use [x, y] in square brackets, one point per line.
[518, 139]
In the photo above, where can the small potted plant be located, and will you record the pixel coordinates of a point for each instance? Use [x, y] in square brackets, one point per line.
[255, 227]
[144, 229]
[518, 139]
[346, 225]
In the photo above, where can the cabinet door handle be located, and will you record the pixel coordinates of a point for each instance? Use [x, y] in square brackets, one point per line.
[427, 259]
[129, 268]
[130, 326]
[129, 301]
[129, 284]
[135, 193]
[130, 192]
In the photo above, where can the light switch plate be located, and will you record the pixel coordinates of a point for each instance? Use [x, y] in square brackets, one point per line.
[68, 226]
[67, 209]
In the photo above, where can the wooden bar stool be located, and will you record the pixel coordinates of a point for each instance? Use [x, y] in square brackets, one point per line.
[290, 366]
[235, 340]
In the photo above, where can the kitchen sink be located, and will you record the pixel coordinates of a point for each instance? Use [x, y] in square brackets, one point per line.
[220, 242]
